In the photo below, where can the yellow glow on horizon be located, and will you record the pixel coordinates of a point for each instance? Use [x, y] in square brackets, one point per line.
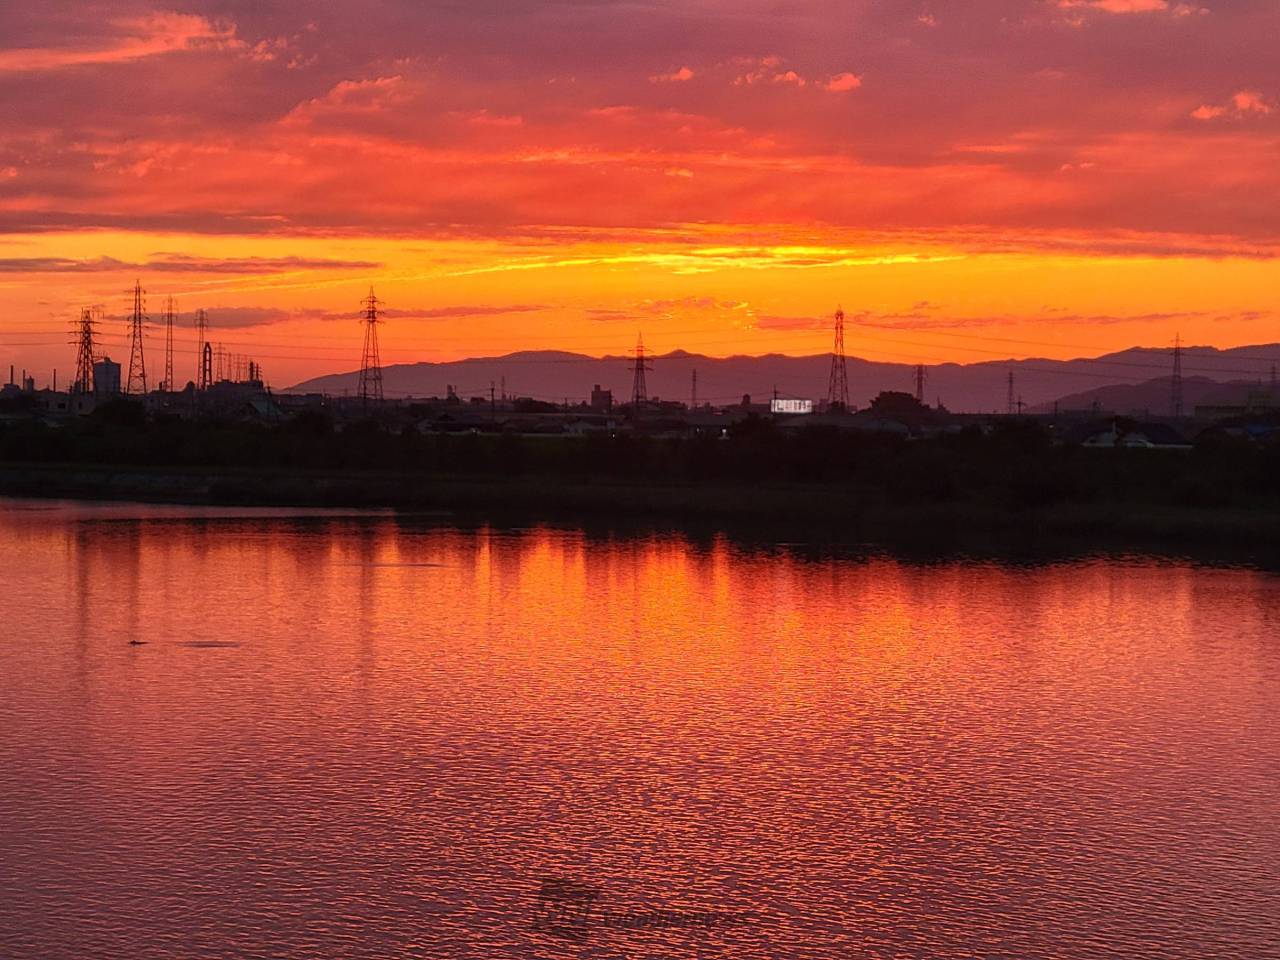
[907, 300]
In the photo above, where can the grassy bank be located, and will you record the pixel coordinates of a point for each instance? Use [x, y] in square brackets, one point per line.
[834, 511]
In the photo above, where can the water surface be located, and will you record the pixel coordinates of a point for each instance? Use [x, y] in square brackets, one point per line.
[348, 735]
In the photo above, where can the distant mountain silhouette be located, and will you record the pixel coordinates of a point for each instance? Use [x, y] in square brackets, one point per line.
[1155, 397]
[976, 387]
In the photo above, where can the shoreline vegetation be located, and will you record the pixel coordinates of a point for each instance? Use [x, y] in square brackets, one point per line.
[1014, 485]
[824, 511]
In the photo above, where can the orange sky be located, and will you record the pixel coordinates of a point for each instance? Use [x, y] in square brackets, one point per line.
[1023, 178]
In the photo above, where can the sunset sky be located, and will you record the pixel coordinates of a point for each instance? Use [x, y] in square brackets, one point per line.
[971, 179]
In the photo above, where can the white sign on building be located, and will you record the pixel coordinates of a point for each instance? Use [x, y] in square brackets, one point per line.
[792, 406]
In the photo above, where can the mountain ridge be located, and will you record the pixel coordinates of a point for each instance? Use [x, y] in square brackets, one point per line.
[980, 386]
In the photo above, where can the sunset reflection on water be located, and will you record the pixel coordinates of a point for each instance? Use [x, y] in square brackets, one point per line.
[374, 736]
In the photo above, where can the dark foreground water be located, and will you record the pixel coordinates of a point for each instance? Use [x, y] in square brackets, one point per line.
[367, 737]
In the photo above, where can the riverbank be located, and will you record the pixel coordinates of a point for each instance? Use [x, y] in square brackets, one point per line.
[836, 512]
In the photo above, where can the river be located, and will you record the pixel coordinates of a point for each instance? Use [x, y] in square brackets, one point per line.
[244, 733]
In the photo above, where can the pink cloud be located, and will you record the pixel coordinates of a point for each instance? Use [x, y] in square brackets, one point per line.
[483, 118]
[136, 38]
[1242, 104]
[1250, 101]
[842, 82]
[349, 97]
[761, 68]
[1206, 112]
[1118, 6]
[678, 76]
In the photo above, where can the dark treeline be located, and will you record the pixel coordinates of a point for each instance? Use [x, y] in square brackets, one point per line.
[1016, 464]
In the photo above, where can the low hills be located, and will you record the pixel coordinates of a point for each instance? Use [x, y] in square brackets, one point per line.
[1133, 380]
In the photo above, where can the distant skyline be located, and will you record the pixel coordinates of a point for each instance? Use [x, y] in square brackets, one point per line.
[1052, 178]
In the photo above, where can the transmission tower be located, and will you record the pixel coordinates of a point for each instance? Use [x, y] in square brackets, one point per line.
[641, 363]
[370, 366]
[137, 382]
[1009, 404]
[168, 345]
[204, 353]
[85, 353]
[206, 365]
[920, 383]
[693, 397]
[838, 385]
[1177, 375]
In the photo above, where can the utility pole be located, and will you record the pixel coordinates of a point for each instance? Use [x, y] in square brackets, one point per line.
[168, 346]
[639, 389]
[920, 383]
[1008, 409]
[693, 397]
[493, 409]
[1177, 376]
[838, 384]
[370, 365]
[137, 382]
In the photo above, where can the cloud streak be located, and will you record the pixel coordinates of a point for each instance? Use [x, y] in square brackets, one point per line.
[179, 263]
[135, 38]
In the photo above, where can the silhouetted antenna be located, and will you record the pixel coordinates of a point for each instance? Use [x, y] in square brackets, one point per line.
[370, 365]
[204, 356]
[838, 385]
[168, 345]
[1177, 375]
[920, 377]
[693, 396]
[137, 382]
[1009, 403]
[85, 352]
[639, 389]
